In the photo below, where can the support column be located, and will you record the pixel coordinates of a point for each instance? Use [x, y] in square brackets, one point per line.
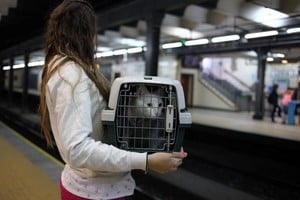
[153, 40]
[1, 79]
[11, 83]
[25, 84]
[260, 83]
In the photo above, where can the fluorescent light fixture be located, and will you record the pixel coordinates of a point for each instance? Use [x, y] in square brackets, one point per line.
[225, 38]
[284, 61]
[261, 34]
[135, 50]
[104, 54]
[196, 42]
[36, 63]
[6, 67]
[278, 55]
[120, 52]
[270, 59]
[293, 30]
[18, 66]
[22, 65]
[172, 45]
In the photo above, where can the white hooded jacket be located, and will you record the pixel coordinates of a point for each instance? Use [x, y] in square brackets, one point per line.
[75, 106]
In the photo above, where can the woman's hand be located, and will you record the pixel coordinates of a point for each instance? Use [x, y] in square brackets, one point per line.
[165, 162]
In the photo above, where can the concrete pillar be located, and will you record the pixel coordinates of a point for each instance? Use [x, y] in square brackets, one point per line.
[260, 83]
[25, 84]
[1, 79]
[153, 41]
[11, 83]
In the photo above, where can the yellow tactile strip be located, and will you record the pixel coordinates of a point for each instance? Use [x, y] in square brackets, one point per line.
[21, 180]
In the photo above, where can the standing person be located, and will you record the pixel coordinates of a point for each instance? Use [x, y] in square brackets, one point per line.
[273, 100]
[73, 95]
[286, 98]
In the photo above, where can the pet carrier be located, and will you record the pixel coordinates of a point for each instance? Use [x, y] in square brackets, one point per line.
[146, 114]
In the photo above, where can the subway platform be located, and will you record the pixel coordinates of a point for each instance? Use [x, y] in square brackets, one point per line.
[27, 172]
[243, 122]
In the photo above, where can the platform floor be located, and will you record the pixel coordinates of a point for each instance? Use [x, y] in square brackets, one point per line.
[243, 121]
[27, 173]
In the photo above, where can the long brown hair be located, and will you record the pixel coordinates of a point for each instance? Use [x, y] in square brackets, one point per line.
[71, 35]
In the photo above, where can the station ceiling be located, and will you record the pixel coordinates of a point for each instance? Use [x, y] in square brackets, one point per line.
[122, 23]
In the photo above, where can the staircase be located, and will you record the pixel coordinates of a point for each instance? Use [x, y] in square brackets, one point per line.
[229, 93]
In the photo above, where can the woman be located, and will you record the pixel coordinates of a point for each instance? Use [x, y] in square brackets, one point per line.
[73, 94]
[285, 100]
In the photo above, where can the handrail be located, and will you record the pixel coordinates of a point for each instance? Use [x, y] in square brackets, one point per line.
[237, 79]
[223, 98]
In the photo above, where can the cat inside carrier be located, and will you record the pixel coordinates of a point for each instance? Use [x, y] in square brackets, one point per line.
[146, 114]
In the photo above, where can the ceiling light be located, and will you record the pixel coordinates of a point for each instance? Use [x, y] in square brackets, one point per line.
[284, 62]
[196, 42]
[226, 38]
[261, 34]
[293, 30]
[6, 67]
[270, 59]
[22, 65]
[104, 54]
[135, 50]
[120, 52]
[278, 55]
[36, 63]
[18, 66]
[171, 45]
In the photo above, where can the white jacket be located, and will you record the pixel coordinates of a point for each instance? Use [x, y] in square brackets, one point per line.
[75, 106]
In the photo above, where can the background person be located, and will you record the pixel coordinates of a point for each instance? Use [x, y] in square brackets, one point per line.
[273, 100]
[286, 98]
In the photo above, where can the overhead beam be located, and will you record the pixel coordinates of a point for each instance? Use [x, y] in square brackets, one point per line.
[137, 10]
[27, 46]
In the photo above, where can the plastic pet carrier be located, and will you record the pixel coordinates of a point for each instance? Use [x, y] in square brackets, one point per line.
[146, 114]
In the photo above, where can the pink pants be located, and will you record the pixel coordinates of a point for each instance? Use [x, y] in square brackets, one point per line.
[66, 195]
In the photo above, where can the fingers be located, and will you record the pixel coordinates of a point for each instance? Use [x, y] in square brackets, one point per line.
[176, 162]
[180, 154]
[177, 158]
